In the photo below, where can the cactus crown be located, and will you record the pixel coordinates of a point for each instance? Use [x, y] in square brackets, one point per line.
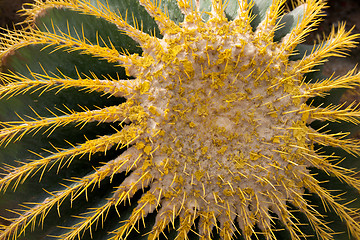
[211, 120]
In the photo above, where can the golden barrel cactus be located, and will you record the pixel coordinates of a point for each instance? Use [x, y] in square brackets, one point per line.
[183, 119]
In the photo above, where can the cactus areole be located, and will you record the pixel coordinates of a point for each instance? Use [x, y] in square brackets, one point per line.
[215, 127]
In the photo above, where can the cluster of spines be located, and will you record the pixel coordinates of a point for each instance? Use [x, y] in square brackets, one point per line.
[338, 40]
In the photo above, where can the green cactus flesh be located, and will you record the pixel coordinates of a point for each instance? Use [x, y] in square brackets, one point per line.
[204, 119]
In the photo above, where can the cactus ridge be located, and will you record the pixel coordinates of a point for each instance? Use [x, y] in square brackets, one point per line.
[216, 127]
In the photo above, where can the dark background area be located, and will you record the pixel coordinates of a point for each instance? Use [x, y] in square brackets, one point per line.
[8, 12]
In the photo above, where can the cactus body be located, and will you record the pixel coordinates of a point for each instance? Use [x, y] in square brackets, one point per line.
[190, 119]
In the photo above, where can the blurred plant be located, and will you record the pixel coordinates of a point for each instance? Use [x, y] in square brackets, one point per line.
[206, 119]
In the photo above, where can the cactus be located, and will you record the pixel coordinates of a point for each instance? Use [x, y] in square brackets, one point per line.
[203, 119]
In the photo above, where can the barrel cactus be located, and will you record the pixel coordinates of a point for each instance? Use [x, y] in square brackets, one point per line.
[178, 119]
